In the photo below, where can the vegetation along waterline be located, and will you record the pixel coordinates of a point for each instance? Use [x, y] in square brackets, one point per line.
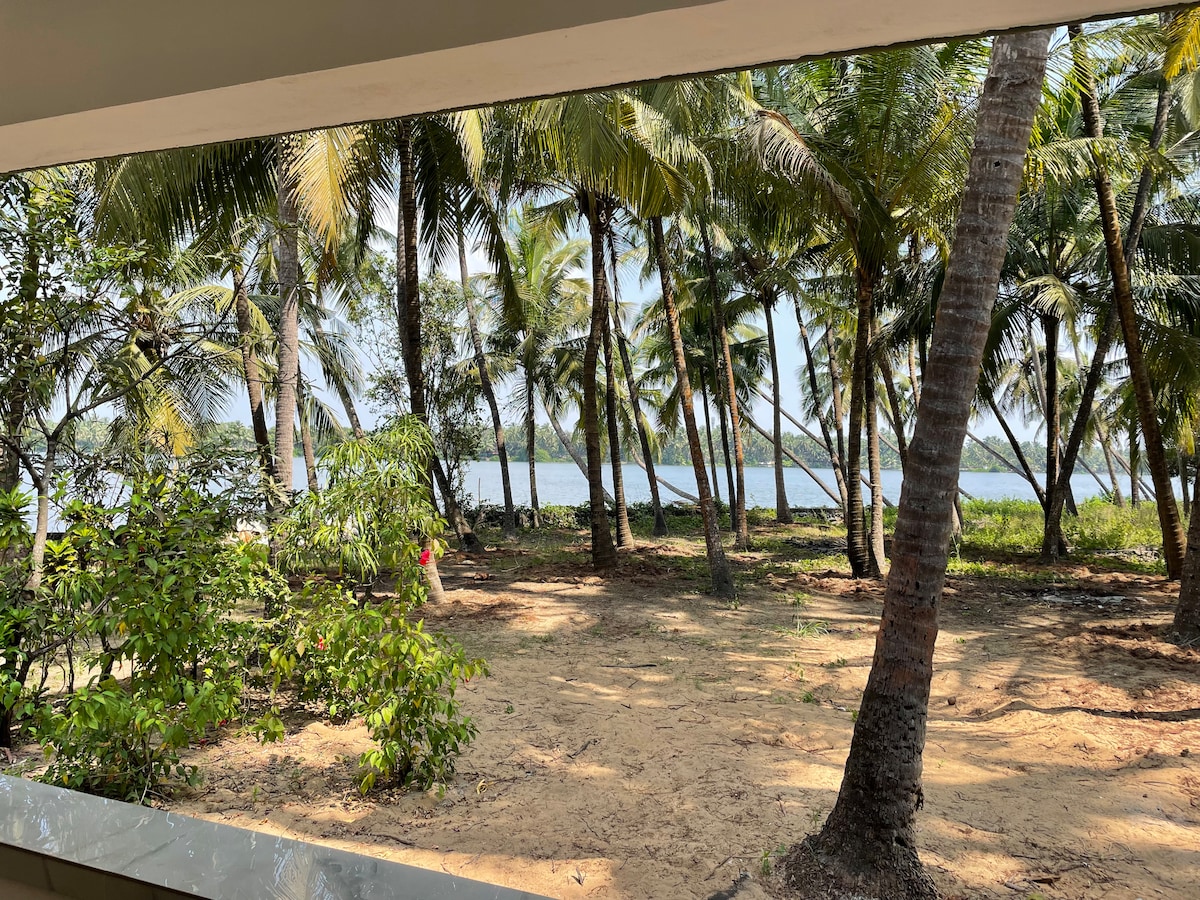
[986, 251]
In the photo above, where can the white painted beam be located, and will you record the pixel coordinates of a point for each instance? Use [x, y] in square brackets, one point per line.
[84, 80]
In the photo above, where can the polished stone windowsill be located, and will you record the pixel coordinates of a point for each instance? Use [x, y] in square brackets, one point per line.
[74, 845]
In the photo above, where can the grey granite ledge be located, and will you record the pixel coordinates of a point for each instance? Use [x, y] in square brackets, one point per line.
[89, 848]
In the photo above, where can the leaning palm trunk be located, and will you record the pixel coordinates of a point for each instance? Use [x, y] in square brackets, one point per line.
[1053, 410]
[875, 475]
[740, 524]
[722, 580]
[783, 512]
[635, 401]
[531, 453]
[708, 436]
[624, 532]
[1187, 611]
[485, 386]
[288, 267]
[858, 545]
[306, 438]
[1156, 458]
[604, 554]
[723, 421]
[835, 461]
[408, 297]
[252, 372]
[868, 844]
[1141, 205]
[573, 451]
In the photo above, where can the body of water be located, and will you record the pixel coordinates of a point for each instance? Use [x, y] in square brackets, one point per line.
[563, 484]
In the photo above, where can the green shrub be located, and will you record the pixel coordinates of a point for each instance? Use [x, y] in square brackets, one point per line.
[155, 580]
[370, 659]
[373, 661]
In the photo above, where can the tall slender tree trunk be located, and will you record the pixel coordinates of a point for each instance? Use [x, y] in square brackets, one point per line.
[1018, 452]
[835, 461]
[737, 511]
[836, 405]
[1106, 446]
[783, 511]
[1135, 465]
[635, 402]
[1108, 331]
[712, 452]
[858, 542]
[604, 553]
[1053, 536]
[868, 843]
[722, 579]
[287, 262]
[485, 384]
[723, 420]
[1187, 611]
[624, 532]
[875, 473]
[252, 372]
[572, 451]
[1156, 458]
[535, 509]
[408, 295]
[893, 398]
[306, 438]
[1182, 462]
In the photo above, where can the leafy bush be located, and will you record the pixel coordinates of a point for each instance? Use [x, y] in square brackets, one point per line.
[157, 580]
[373, 661]
[370, 659]
[372, 506]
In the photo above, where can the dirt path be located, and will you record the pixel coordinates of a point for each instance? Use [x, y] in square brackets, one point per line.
[639, 740]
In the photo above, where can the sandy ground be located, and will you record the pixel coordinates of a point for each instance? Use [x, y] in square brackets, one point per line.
[637, 739]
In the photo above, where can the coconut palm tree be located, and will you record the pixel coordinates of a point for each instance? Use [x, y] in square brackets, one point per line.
[879, 142]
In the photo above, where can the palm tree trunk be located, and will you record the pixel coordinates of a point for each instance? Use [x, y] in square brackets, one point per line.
[531, 452]
[722, 579]
[580, 461]
[635, 401]
[1108, 331]
[835, 393]
[1135, 464]
[252, 372]
[1182, 462]
[723, 421]
[835, 461]
[1018, 452]
[41, 524]
[893, 398]
[1187, 610]
[342, 389]
[288, 268]
[624, 532]
[1106, 447]
[798, 460]
[858, 545]
[1156, 458]
[783, 511]
[408, 295]
[875, 472]
[712, 453]
[868, 844]
[737, 510]
[485, 385]
[306, 439]
[604, 554]
[1052, 535]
